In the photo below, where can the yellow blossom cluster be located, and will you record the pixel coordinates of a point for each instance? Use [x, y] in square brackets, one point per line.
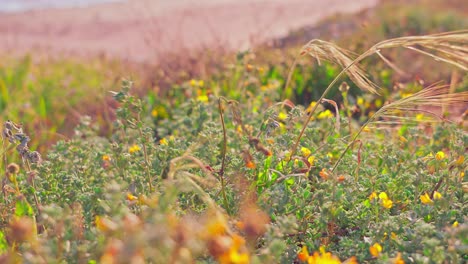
[426, 198]
[321, 257]
[134, 148]
[384, 200]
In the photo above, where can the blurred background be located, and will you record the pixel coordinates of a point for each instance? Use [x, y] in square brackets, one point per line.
[60, 58]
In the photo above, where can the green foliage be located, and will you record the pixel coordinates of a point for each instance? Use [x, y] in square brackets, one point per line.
[208, 171]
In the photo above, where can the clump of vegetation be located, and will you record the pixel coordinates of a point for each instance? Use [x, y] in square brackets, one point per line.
[212, 174]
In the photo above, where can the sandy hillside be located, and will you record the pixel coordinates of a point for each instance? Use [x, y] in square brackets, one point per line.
[144, 29]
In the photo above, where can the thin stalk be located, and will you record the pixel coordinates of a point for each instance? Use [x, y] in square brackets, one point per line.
[145, 154]
[309, 117]
[223, 161]
[357, 135]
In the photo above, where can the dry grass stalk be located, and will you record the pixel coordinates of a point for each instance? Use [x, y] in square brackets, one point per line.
[450, 47]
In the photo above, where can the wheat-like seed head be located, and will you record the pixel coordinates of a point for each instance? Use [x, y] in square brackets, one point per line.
[327, 51]
[404, 110]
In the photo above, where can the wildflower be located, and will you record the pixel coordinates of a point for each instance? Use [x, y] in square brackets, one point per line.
[323, 174]
[250, 164]
[324, 258]
[437, 195]
[393, 235]
[373, 196]
[460, 160]
[282, 116]
[196, 83]
[234, 254]
[378, 103]
[163, 141]
[360, 101]
[106, 158]
[303, 255]
[403, 139]
[341, 178]
[385, 201]
[131, 197]
[134, 149]
[154, 113]
[305, 152]
[455, 224]
[311, 105]
[318, 257]
[426, 199]
[420, 117]
[325, 114]
[375, 249]
[399, 259]
[311, 160]
[202, 98]
[440, 155]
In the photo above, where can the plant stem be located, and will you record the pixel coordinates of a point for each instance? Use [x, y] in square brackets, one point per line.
[309, 117]
[223, 161]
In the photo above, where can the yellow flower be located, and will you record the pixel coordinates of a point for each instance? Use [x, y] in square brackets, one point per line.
[311, 160]
[163, 141]
[383, 196]
[420, 117]
[311, 105]
[375, 249]
[360, 101]
[196, 83]
[154, 113]
[235, 254]
[366, 129]
[455, 224]
[305, 152]
[131, 197]
[134, 148]
[373, 196]
[387, 203]
[282, 116]
[202, 98]
[378, 102]
[325, 114]
[440, 155]
[426, 199]
[393, 236]
[437, 195]
[106, 158]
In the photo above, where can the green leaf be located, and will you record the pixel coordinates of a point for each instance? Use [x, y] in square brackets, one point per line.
[23, 209]
[3, 243]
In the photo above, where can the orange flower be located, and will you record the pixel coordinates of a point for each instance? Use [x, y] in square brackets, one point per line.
[303, 255]
[324, 174]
